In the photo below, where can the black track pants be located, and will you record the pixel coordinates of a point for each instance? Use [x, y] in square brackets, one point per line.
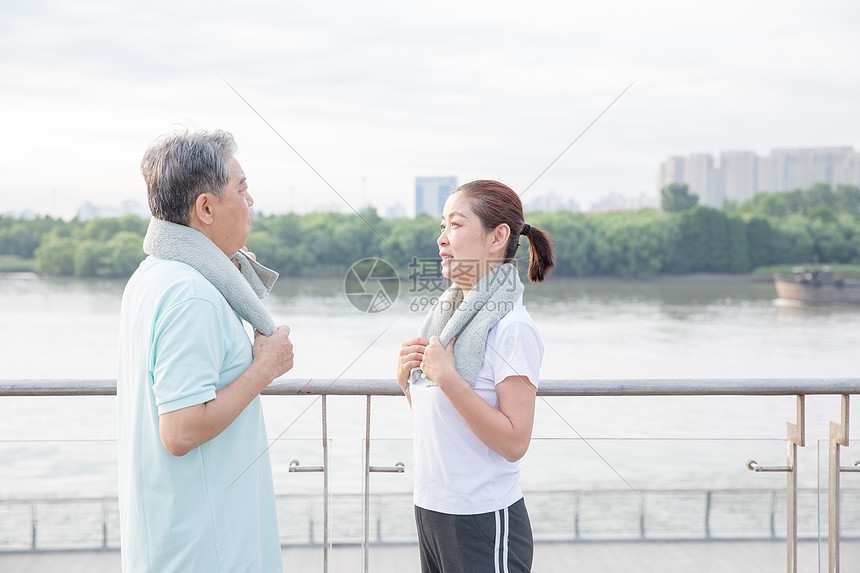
[495, 542]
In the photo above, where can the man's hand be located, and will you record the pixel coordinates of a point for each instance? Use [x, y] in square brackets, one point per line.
[248, 253]
[185, 429]
[274, 354]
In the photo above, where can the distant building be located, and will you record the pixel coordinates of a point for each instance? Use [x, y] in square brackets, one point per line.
[849, 171]
[699, 174]
[738, 175]
[431, 193]
[787, 169]
[616, 202]
[89, 210]
[550, 203]
[671, 171]
[132, 207]
[697, 171]
[741, 174]
[331, 207]
[396, 211]
[28, 215]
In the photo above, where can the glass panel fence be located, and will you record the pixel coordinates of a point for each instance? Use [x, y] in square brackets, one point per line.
[631, 495]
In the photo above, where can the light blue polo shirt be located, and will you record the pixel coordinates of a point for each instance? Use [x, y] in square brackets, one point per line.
[213, 509]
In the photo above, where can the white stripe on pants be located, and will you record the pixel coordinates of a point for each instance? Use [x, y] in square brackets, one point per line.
[501, 541]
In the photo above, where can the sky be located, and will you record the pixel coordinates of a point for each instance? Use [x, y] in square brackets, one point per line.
[343, 104]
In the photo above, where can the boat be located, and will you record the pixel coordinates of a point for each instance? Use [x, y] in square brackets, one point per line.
[817, 285]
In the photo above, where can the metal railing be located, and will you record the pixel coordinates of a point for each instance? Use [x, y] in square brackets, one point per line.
[559, 516]
[796, 435]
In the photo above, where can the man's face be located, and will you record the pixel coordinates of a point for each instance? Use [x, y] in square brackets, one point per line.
[232, 215]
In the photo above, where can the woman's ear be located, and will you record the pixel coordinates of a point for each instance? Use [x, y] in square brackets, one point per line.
[501, 235]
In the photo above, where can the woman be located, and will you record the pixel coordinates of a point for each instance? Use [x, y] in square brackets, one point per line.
[471, 378]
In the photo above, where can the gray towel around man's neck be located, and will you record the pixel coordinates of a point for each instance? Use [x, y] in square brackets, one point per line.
[242, 289]
[470, 319]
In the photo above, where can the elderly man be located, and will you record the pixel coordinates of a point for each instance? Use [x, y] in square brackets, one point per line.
[195, 480]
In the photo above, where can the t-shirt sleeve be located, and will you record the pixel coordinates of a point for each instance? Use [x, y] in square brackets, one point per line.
[516, 350]
[187, 355]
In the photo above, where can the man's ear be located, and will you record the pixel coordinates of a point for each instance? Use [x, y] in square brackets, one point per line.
[203, 208]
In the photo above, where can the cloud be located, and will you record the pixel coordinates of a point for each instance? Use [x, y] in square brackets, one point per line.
[388, 90]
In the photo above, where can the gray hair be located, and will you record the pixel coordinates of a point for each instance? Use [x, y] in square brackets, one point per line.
[179, 167]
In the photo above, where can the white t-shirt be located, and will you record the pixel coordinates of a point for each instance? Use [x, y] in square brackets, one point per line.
[455, 472]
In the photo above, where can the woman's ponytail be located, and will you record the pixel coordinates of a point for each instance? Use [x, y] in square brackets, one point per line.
[541, 254]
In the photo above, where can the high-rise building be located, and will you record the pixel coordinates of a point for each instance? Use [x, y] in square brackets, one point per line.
[849, 172]
[671, 171]
[738, 175]
[396, 211]
[742, 174]
[787, 169]
[771, 175]
[88, 210]
[616, 202]
[431, 193]
[701, 178]
[551, 202]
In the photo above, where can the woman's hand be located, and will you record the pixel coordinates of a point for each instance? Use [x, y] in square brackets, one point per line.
[506, 430]
[411, 354]
[438, 364]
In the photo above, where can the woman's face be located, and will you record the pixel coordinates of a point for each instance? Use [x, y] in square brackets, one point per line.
[467, 251]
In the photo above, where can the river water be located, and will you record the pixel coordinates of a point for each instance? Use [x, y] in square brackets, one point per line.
[693, 327]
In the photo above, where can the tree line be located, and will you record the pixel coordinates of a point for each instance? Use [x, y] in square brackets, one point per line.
[818, 224]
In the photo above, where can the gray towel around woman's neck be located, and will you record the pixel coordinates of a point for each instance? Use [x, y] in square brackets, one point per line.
[242, 289]
[470, 319]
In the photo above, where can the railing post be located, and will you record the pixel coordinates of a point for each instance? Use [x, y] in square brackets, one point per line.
[838, 438]
[311, 531]
[399, 467]
[296, 466]
[33, 525]
[708, 515]
[104, 524]
[796, 437]
[326, 493]
[365, 535]
[773, 514]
